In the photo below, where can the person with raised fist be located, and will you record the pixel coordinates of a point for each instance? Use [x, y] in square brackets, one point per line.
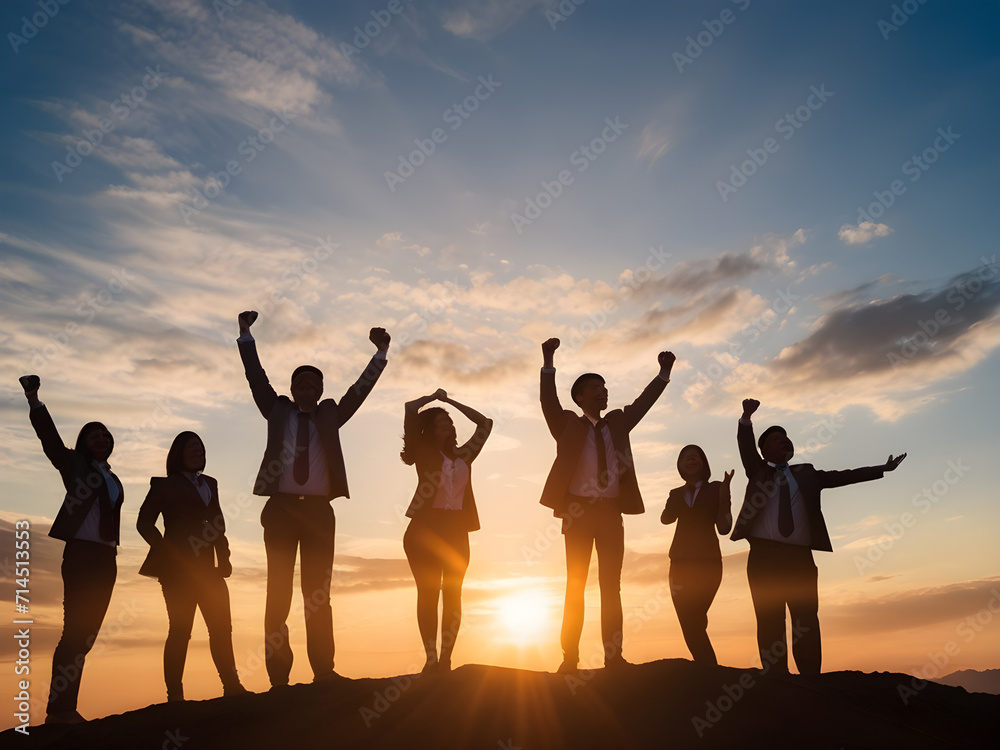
[89, 521]
[591, 484]
[782, 520]
[301, 472]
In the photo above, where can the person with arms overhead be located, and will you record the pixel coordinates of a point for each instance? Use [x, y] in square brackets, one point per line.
[442, 513]
[301, 472]
[591, 484]
[88, 521]
[699, 507]
[184, 558]
[782, 520]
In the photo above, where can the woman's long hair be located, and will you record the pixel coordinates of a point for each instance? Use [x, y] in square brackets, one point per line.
[81, 438]
[425, 428]
[175, 456]
[706, 472]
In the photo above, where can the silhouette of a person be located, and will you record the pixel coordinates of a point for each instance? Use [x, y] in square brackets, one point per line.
[442, 513]
[301, 472]
[782, 520]
[591, 484]
[184, 558]
[699, 507]
[89, 522]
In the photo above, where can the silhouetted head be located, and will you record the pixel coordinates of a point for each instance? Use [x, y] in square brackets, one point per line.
[590, 394]
[692, 464]
[775, 445]
[307, 387]
[95, 441]
[187, 453]
[434, 427]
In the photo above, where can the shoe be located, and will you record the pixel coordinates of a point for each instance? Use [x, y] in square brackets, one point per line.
[444, 666]
[278, 686]
[430, 667]
[228, 691]
[568, 666]
[616, 662]
[330, 676]
[65, 717]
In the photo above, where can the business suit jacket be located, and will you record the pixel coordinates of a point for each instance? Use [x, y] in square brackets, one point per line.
[194, 534]
[428, 462]
[84, 482]
[695, 537]
[570, 431]
[328, 418]
[810, 481]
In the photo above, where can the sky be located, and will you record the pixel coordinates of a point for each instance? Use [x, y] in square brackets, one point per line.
[794, 198]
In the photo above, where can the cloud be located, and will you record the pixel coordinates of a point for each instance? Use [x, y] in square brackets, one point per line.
[692, 277]
[862, 233]
[457, 363]
[914, 608]
[654, 142]
[485, 19]
[884, 354]
[254, 55]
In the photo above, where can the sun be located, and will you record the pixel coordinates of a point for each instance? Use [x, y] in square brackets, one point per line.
[525, 614]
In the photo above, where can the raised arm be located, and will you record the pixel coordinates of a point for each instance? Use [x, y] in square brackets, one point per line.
[357, 393]
[410, 426]
[52, 445]
[552, 410]
[263, 394]
[484, 426]
[745, 438]
[638, 408]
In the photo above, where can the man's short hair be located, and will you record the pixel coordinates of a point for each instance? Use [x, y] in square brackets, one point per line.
[307, 368]
[768, 432]
[580, 382]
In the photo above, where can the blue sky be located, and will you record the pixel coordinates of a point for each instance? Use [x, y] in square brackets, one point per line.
[887, 330]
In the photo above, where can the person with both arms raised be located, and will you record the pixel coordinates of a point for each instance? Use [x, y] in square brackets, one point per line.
[302, 471]
[591, 484]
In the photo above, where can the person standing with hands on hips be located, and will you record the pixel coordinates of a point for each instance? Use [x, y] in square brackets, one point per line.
[591, 484]
[302, 471]
[782, 520]
[699, 507]
[89, 521]
[184, 559]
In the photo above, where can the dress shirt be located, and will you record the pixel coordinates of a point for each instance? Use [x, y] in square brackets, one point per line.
[689, 496]
[201, 485]
[584, 482]
[90, 529]
[451, 489]
[765, 525]
[318, 482]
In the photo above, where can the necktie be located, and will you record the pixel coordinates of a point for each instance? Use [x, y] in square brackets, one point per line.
[300, 469]
[602, 456]
[785, 523]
